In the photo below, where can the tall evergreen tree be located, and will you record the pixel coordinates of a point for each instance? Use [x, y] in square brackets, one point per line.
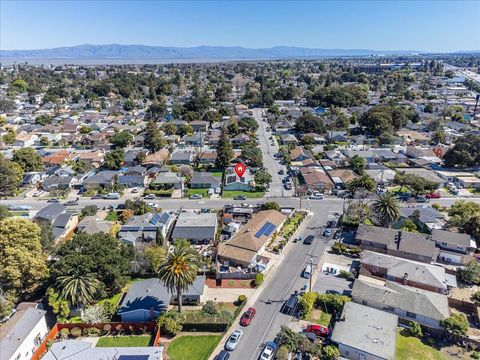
[224, 151]
[153, 138]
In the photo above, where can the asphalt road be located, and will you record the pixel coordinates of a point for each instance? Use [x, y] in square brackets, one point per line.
[269, 162]
[286, 278]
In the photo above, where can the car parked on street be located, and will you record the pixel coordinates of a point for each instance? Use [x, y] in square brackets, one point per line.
[433, 195]
[223, 355]
[195, 197]
[38, 193]
[328, 232]
[269, 351]
[240, 197]
[98, 196]
[308, 240]
[54, 200]
[316, 197]
[233, 340]
[248, 316]
[150, 196]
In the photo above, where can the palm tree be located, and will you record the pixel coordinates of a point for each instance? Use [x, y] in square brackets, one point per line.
[179, 270]
[77, 287]
[387, 209]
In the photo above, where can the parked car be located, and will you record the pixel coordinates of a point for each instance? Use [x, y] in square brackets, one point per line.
[421, 199]
[223, 355]
[318, 330]
[240, 197]
[328, 232]
[38, 193]
[54, 200]
[268, 351]
[307, 272]
[281, 172]
[248, 316]
[211, 191]
[308, 240]
[98, 196]
[316, 197]
[233, 340]
[433, 195]
[136, 189]
[71, 203]
[195, 197]
[150, 196]
[112, 196]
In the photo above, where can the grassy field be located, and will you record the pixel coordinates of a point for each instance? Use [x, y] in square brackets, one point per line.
[411, 348]
[203, 192]
[320, 317]
[193, 347]
[218, 173]
[248, 194]
[124, 341]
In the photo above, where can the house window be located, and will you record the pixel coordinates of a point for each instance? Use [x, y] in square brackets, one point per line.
[389, 308]
[375, 269]
[405, 253]
[38, 340]
[411, 315]
[459, 248]
[371, 243]
[444, 244]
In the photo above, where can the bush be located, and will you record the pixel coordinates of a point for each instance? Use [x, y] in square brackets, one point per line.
[241, 299]
[91, 331]
[330, 352]
[76, 332]
[436, 206]
[64, 333]
[282, 353]
[258, 279]
[209, 308]
[307, 301]
[415, 329]
[475, 355]
[205, 327]
[169, 323]
[344, 274]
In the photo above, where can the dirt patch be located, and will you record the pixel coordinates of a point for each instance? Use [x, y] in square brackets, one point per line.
[230, 283]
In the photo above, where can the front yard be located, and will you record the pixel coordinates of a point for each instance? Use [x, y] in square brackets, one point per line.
[320, 317]
[411, 348]
[203, 192]
[125, 341]
[247, 194]
[193, 347]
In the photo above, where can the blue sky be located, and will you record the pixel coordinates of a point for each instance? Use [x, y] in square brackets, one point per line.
[382, 25]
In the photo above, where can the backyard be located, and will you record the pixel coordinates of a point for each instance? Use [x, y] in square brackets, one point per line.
[193, 347]
[125, 341]
[411, 348]
[247, 194]
[320, 317]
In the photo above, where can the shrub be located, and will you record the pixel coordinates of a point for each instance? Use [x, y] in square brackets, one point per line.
[344, 274]
[107, 328]
[456, 324]
[76, 332]
[258, 279]
[415, 329]
[209, 308]
[282, 353]
[241, 299]
[169, 323]
[307, 301]
[333, 302]
[231, 282]
[330, 352]
[476, 296]
[436, 206]
[91, 331]
[64, 333]
[205, 327]
[475, 355]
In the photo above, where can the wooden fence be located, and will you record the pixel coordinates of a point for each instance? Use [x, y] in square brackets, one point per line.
[124, 326]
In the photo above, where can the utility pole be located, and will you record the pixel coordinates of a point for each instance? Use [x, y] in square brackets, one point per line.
[312, 266]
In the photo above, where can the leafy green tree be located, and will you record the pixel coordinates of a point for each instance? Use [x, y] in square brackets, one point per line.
[330, 352]
[20, 85]
[415, 329]
[358, 164]
[9, 137]
[169, 323]
[309, 123]
[471, 273]
[47, 240]
[409, 226]
[248, 123]
[128, 105]
[121, 139]
[252, 156]
[78, 287]
[22, 262]
[138, 206]
[43, 120]
[114, 159]
[363, 182]
[377, 120]
[59, 306]
[224, 151]
[103, 256]
[44, 141]
[387, 208]
[332, 302]
[466, 216]
[155, 254]
[185, 129]
[415, 182]
[154, 140]
[179, 270]
[3, 212]
[169, 129]
[270, 205]
[439, 137]
[465, 153]
[28, 159]
[262, 178]
[456, 324]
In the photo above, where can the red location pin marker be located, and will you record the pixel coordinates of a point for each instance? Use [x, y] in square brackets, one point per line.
[240, 169]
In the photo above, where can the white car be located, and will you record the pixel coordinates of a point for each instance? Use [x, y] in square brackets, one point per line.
[316, 197]
[233, 340]
[136, 189]
[38, 193]
[269, 351]
[150, 197]
[152, 205]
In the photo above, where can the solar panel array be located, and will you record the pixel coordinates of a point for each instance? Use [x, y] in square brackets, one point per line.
[155, 218]
[266, 230]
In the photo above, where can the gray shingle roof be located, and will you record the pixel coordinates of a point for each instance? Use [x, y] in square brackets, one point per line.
[195, 226]
[451, 237]
[368, 330]
[50, 212]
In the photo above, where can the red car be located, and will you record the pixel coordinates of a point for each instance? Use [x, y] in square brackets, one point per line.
[433, 196]
[247, 317]
[318, 330]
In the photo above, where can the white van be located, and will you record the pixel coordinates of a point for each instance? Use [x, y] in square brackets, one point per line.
[112, 196]
[307, 272]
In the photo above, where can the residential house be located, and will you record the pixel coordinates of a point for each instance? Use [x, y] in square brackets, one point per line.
[238, 183]
[386, 155]
[156, 159]
[25, 140]
[240, 139]
[204, 180]
[167, 180]
[32, 178]
[135, 170]
[182, 157]
[94, 225]
[407, 272]
[363, 333]
[462, 179]
[102, 179]
[192, 140]
[367, 155]
[408, 303]
[424, 173]
[55, 182]
[61, 221]
[92, 158]
[298, 153]
[336, 156]
[58, 158]
[207, 158]
[288, 139]
[81, 350]
[407, 245]
[318, 139]
[245, 248]
[341, 177]
[196, 228]
[131, 157]
[316, 180]
[454, 247]
[131, 181]
[422, 216]
[23, 333]
[199, 125]
[144, 228]
[147, 299]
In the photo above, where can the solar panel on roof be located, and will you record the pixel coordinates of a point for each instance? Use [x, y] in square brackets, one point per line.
[155, 218]
[266, 230]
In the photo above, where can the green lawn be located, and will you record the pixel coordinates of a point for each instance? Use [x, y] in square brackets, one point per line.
[411, 348]
[193, 347]
[112, 216]
[320, 317]
[124, 341]
[248, 194]
[203, 192]
[218, 174]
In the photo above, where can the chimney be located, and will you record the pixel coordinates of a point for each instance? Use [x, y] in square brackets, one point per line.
[405, 279]
[398, 238]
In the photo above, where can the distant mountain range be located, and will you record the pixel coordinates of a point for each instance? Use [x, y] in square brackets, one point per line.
[115, 51]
